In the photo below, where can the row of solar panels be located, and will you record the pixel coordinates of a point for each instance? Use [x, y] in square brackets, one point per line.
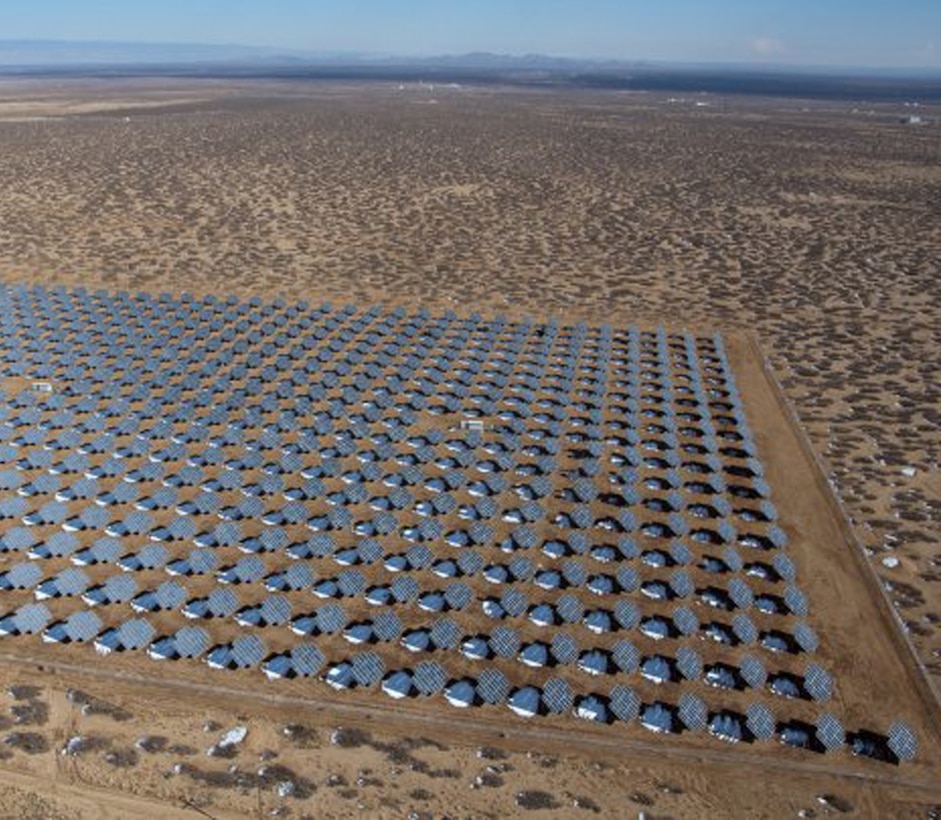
[515, 577]
[122, 348]
[248, 651]
[121, 307]
[393, 513]
[556, 696]
[274, 610]
[167, 356]
[178, 362]
[430, 354]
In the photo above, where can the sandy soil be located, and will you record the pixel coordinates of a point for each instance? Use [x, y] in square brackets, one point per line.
[813, 228]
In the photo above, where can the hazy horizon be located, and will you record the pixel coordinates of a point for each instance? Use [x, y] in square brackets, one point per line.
[873, 34]
[51, 53]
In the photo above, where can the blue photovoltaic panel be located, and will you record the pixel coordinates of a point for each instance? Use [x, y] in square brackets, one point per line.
[331, 618]
[429, 677]
[570, 608]
[492, 686]
[135, 634]
[505, 641]
[222, 602]
[760, 721]
[753, 671]
[306, 659]
[557, 695]
[445, 633]
[191, 642]
[514, 602]
[32, 618]
[818, 682]
[806, 637]
[387, 626]
[368, 668]
[564, 648]
[247, 651]
[624, 703]
[82, 626]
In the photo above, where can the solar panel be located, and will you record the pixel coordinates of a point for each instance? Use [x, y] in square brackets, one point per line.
[628, 578]
[445, 634]
[688, 662]
[570, 609]
[470, 562]
[796, 601]
[331, 618]
[806, 637]
[492, 686]
[574, 573]
[514, 602]
[760, 721]
[119, 588]
[744, 629]
[30, 619]
[626, 614]
[275, 610]
[682, 583]
[247, 651]
[404, 589]
[135, 634]
[21, 576]
[429, 677]
[387, 627]
[557, 695]
[830, 732]
[685, 620]
[903, 741]
[626, 656]
[732, 559]
[201, 562]
[351, 582]
[624, 703]
[191, 642]
[818, 682]
[504, 641]
[740, 593]
[222, 603]
[784, 566]
[368, 669]
[693, 712]
[753, 671]
[82, 626]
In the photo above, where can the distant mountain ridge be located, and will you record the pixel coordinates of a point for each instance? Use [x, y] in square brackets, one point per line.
[56, 53]
[38, 59]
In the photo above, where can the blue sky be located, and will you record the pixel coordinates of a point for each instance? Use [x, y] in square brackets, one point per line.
[903, 33]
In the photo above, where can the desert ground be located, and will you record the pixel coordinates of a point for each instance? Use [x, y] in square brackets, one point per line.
[812, 226]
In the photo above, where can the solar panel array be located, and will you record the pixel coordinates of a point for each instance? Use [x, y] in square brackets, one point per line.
[306, 476]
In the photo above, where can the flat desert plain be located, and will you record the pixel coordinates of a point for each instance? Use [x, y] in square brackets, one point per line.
[809, 229]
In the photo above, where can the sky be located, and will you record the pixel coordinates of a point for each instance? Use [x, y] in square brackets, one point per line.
[868, 33]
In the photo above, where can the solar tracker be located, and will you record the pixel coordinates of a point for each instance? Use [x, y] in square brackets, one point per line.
[116, 589]
[429, 677]
[830, 732]
[135, 634]
[82, 626]
[21, 576]
[367, 668]
[806, 637]
[30, 619]
[246, 651]
[817, 682]
[492, 686]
